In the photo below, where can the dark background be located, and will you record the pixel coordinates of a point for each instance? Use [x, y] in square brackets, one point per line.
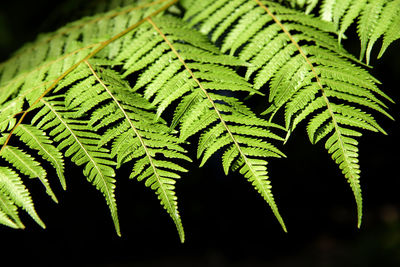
[226, 222]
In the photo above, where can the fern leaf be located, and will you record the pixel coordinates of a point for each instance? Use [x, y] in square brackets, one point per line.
[12, 189]
[27, 165]
[311, 77]
[327, 10]
[341, 6]
[129, 123]
[392, 32]
[376, 19]
[345, 153]
[79, 143]
[7, 113]
[52, 57]
[350, 15]
[100, 122]
[4, 219]
[389, 13]
[36, 139]
[368, 23]
[9, 212]
[198, 86]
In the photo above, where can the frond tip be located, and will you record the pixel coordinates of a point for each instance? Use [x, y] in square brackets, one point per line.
[345, 153]
[13, 194]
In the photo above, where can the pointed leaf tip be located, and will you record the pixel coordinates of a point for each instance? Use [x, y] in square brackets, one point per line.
[182, 237]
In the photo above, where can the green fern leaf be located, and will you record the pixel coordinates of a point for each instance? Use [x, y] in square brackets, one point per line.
[13, 193]
[160, 175]
[389, 13]
[79, 143]
[129, 123]
[350, 15]
[310, 76]
[27, 165]
[327, 10]
[7, 113]
[36, 139]
[376, 19]
[4, 219]
[9, 211]
[40, 66]
[368, 23]
[392, 33]
[198, 84]
[77, 83]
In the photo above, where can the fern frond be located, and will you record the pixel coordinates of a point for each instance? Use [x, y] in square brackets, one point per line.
[128, 122]
[368, 23]
[36, 139]
[7, 113]
[349, 17]
[98, 89]
[50, 60]
[80, 144]
[260, 40]
[4, 219]
[376, 19]
[27, 165]
[62, 52]
[391, 18]
[153, 138]
[245, 145]
[13, 194]
[311, 77]
[197, 83]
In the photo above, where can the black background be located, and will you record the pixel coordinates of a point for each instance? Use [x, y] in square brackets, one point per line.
[225, 220]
